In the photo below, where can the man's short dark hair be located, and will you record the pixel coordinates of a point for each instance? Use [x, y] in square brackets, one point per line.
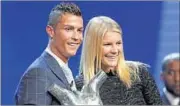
[61, 9]
[168, 58]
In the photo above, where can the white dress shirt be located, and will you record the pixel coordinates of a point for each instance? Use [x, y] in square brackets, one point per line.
[171, 98]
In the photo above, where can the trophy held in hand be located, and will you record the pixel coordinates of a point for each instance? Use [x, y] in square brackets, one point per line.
[89, 95]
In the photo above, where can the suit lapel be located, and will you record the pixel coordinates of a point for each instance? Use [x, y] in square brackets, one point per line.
[55, 68]
[165, 100]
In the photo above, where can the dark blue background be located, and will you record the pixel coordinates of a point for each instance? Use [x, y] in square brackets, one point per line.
[24, 37]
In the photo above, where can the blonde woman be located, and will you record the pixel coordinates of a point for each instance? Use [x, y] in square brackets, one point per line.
[128, 82]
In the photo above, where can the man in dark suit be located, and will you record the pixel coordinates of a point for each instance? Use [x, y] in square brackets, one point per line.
[65, 27]
[171, 77]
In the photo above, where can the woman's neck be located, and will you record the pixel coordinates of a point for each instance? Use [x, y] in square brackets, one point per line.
[108, 69]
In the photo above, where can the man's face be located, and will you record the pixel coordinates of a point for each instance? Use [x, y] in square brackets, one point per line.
[67, 36]
[171, 77]
[111, 49]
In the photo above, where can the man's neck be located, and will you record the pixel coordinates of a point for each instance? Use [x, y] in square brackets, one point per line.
[57, 53]
[59, 60]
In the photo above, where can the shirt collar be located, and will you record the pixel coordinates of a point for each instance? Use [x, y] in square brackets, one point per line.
[172, 99]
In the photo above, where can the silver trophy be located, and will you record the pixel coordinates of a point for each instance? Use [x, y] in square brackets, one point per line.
[89, 95]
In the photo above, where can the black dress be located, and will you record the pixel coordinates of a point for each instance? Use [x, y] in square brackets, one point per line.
[114, 92]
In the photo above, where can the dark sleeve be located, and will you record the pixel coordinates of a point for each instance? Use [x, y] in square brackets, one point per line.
[32, 88]
[150, 90]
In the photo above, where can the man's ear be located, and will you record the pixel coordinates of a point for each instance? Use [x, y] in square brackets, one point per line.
[162, 76]
[50, 31]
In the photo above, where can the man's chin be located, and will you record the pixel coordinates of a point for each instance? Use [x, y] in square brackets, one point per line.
[73, 53]
[177, 92]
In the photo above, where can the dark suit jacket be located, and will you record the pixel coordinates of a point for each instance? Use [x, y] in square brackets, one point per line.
[41, 74]
[165, 100]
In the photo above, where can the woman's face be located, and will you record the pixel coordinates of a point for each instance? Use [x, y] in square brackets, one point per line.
[111, 49]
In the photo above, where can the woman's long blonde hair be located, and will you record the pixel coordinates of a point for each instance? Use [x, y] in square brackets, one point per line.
[92, 50]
